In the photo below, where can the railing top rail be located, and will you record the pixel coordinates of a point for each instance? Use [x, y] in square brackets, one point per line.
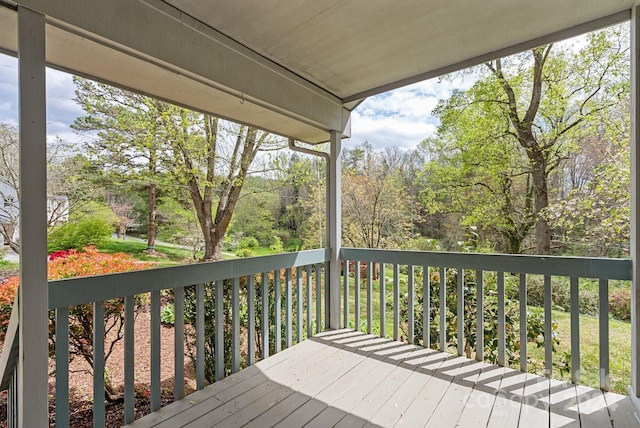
[77, 291]
[581, 267]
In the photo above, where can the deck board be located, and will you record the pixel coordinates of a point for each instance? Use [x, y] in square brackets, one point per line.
[348, 379]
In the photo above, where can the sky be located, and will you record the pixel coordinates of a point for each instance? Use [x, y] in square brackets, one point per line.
[398, 118]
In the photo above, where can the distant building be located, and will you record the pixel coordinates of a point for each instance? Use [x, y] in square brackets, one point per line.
[57, 210]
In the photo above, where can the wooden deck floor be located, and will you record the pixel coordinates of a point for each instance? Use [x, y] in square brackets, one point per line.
[344, 378]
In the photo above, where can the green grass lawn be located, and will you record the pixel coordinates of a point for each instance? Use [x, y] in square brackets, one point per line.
[167, 255]
[619, 350]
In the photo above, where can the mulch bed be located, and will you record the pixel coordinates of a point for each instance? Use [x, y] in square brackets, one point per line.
[81, 379]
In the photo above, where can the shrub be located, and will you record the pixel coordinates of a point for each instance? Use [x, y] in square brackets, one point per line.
[620, 304]
[92, 231]
[245, 252]
[535, 319]
[277, 246]
[87, 262]
[168, 314]
[8, 289]
[249, 242]
[284, 235]
[560, 295]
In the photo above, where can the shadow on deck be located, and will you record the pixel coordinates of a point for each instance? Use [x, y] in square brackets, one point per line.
[345, 378]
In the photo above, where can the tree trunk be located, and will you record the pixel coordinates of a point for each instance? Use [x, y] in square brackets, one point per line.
[541, 202]
[151, 234]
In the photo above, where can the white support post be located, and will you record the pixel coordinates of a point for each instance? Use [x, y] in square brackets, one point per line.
[634, 389]
[334, 226]
[33, 408]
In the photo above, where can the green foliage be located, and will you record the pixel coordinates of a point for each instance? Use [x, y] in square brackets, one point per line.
[245, 252]
[248, 243]
[535, 319]
[93, 209]
[620, 304]
[277, 247]
[91, 231]
[422, 243]
[168, 314]
[537, 142]
[375, 203]
[254, 213]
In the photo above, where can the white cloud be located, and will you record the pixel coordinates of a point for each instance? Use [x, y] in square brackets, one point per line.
[61, 109]
[402, 117]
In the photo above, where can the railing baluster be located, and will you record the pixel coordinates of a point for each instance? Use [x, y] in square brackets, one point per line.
[235, 325]
[62, 367]
[299, 301]
[318, 298]
[443, 309]
[369, 297]
[265, 315]
[356, 297]
[98, 364]
[199, 336]
[178, 343]
[479, 316]
[501, 321]
[426, 307]
[12, 401]
[129, 359]
[219, 335]
[346, 294]
[523, 322]
[396, 302]
[575, 330]
[251, 297]
[289, 309]
[410, 305]
[309, 303]
[603, 316]
[155, 351]
[278, 297]
[548, 330]
[327, 295]
[460, 316]
[383, 302]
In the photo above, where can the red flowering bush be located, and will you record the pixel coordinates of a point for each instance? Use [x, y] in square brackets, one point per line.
[70, 264]
[61, 253]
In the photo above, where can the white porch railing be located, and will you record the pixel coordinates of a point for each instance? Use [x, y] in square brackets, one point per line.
[447, 264]
[293, 318]
[64, 294]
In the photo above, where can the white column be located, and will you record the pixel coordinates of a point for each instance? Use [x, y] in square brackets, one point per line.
[33, 409]
[334, 226]
[635, 200]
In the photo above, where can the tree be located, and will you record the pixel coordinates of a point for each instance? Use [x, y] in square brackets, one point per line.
[212, 158]
[594, 213]
[375, 212]
[170, 148]
[64, 195]
[130, 142]
[540, 103]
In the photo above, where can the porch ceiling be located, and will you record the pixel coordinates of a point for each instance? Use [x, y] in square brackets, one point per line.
[294, 68]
